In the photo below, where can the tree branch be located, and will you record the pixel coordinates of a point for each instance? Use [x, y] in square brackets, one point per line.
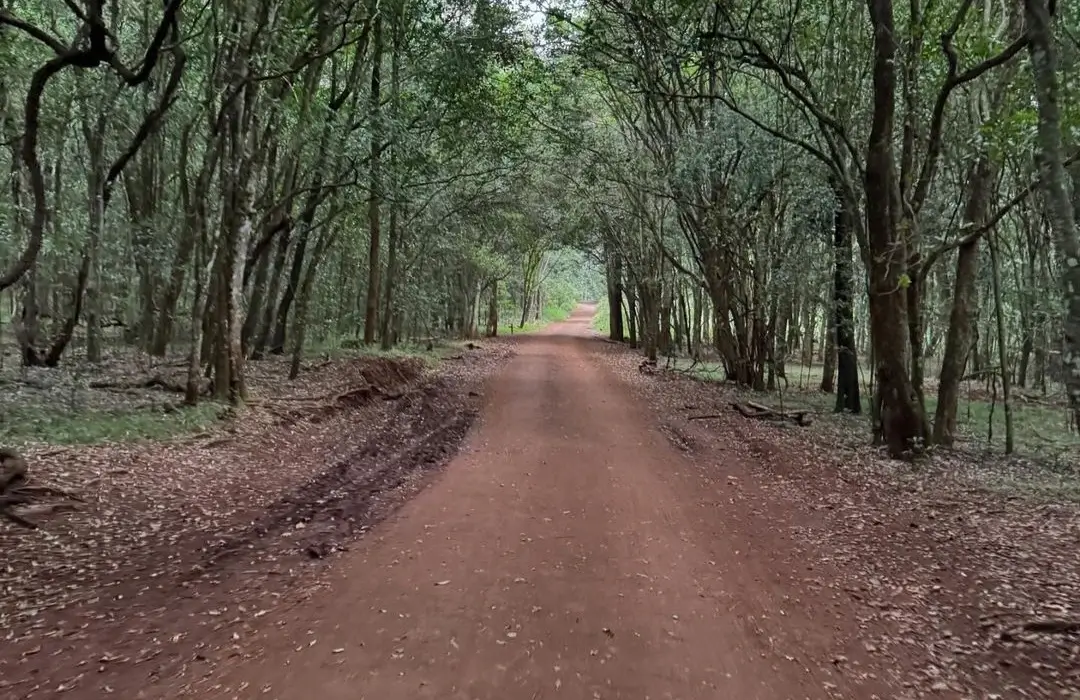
[953, 80]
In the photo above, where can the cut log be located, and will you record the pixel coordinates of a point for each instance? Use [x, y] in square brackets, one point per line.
[156, 381]
[752, 409]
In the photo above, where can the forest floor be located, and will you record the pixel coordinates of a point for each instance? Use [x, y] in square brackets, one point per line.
[594, 537]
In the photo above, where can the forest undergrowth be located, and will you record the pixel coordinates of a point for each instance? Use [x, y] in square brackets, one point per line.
[962, 563]
[236, 512]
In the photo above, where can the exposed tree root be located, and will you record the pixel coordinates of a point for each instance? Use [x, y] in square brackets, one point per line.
[18, 497]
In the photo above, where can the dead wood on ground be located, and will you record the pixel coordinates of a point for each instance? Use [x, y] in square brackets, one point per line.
[752, 409]
[155, 381]
[20, 498]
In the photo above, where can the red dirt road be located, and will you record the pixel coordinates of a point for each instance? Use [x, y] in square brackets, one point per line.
[570, 551]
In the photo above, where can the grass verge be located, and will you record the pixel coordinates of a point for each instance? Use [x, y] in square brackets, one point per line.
[550, 314]
[1040, 428]
[39, 423]
[601, 322]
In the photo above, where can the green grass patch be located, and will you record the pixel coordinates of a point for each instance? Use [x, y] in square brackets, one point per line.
[1039, 429]
[551, 314]
[601, 322]
[37, 423]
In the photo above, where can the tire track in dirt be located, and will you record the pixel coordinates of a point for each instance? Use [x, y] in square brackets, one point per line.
[562, 554]
[136, 632]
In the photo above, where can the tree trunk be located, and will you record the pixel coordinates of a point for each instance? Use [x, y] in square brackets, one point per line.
[493, 310]
[650, 317]
[847, 354]
[292, 284]
[1055, 186]
[697, 324]
[201, 273]
[781, 312]
[900, 423]
[371, 307]
[958, 338]
[663, 341]
[387, 338]
[95, 186]
[266, 326]
[303, 304]
[809, 331]
[194, 208]
[1003, 355]
[615, 293]
[28, 329]
[828, 370]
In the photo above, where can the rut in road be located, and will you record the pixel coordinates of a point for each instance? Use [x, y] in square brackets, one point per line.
[558, 556]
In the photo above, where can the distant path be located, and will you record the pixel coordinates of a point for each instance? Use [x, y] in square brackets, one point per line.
[559, 556]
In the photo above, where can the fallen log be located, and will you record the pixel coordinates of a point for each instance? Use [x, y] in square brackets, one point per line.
[1053, 626]
[752, 409]
[156, 381]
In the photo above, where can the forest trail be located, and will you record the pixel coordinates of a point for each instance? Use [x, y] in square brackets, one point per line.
[569, 551]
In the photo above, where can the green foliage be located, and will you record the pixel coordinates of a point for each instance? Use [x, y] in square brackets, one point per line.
[38, 423]
[601, 322]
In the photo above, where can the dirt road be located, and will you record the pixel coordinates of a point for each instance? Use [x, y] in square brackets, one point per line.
[569, 551]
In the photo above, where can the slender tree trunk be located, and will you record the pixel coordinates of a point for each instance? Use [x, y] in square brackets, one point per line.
[631, 315]
[698, 323]
[809, 331]
[828, 370]
[847, 354]
[201, 272]
[900, 423]
[257, 300]
[387, 339]
[193, 205]
[95, 146]
[958, 338]
[371, 308]
[663, 341]
[292, 284]
[1055, 185]
[780, 313]
[1003, 354]
[267, 327]
[649, 295]
[303, 304]
[615, 293]
[493, 310]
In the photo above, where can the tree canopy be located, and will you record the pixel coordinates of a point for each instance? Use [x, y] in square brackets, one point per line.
[885, 191]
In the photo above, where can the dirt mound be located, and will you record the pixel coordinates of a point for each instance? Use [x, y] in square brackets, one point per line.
[423, 430]
[333, 387]
[389, 372]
